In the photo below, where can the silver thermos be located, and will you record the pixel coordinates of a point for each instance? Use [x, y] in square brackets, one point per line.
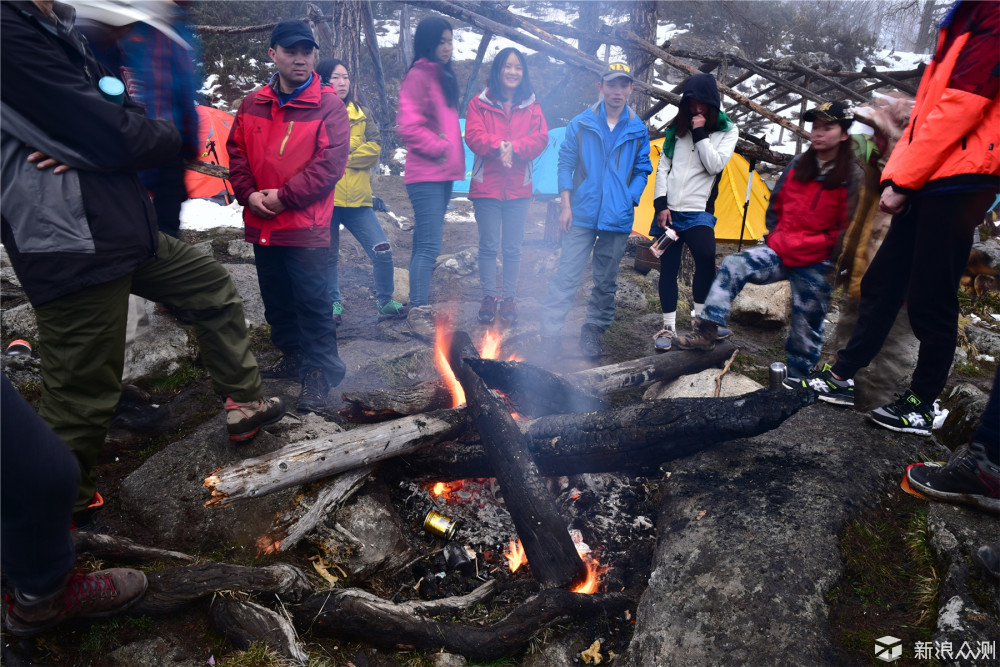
[776, 374]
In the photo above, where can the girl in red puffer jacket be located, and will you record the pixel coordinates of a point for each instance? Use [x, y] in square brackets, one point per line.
[506, 130]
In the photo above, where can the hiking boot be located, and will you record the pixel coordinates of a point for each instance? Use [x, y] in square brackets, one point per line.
[338, 311]
[421, 322]
[590, 341]
[907, 414]
[827, 387]
[968, 479]
[988, 557]
[663, 339]
[82, 594]
[83, 517]
[314, 390]
[488, 310]
[391, 309]
[286, 369]
[508, 312]
[244, 420]
[702, 336]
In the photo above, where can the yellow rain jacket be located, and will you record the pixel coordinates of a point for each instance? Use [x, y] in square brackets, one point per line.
[355, 188]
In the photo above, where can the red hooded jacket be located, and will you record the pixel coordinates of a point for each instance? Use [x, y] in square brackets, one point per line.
[486, 125]
[300, 148]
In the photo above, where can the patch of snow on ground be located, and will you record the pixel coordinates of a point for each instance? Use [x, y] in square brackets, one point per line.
[202, 214]
[902, 60]
[665, 31]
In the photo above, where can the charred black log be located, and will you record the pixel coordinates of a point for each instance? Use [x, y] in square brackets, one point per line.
[534, 391]
[244, 623]
[371, 620]
[637, 438]
[547, 543]
[379, 405]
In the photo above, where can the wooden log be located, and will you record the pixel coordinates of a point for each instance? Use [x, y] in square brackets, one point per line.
[636, 438]
[809, 72]
[367, 407]
[207, 168]
[307, 513]
[244, 623]
[547, 543]
[534, 391]
[372, 620]
[484, 43]
[777, 80]
[309, 460]
[121, 549]
[892, 81]
[173, 589]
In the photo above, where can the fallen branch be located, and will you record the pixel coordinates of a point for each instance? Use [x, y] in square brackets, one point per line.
[121, 549]
[244, 623]
[382, 404]
[605, 380]
[173, 589]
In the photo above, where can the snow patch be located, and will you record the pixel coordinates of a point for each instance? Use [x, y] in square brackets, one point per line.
[202, 214]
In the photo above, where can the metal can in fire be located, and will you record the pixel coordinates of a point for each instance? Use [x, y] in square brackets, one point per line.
[440, 525]
[777, 373]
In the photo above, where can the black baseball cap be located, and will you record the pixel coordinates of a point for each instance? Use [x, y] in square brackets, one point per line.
[831, 112]
[291, 32]
[616, 70]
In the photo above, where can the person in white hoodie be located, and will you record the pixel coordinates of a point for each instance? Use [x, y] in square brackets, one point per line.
[698, 144]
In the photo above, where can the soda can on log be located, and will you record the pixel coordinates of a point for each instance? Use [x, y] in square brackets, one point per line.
[440, 525]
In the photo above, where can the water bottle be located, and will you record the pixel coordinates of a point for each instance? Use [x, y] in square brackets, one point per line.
[661, 244]
[19, 348]
[776, 375]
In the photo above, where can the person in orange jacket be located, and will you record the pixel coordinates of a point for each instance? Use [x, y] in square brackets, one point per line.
[938, 184]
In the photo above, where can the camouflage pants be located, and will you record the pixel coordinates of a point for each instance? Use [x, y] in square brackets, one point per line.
[810, 300]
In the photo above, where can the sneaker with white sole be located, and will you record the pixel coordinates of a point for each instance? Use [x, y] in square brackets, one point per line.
[907, 414]
[969, 478]
[827, 387]
[244, 420]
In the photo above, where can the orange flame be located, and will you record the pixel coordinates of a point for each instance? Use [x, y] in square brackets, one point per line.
[439, 488]
[594, 573]
[490, 347]
[515, 555]
[515, 357]
[442, 341]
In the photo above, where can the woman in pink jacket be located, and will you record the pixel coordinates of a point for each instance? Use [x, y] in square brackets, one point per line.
[506, 130]
[428, 124]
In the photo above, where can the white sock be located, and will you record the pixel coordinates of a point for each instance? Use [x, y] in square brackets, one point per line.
[670, 321]
[699, 308]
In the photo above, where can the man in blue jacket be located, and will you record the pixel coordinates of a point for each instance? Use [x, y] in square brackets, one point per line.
[603, 167]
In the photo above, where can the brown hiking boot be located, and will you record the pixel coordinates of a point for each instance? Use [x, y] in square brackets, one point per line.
[314, 391]
[244, 420]
[488, 309]
[702, 337]
[83, 594]
[508, 311]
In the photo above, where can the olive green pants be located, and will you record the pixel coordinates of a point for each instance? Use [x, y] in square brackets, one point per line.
[82, 345]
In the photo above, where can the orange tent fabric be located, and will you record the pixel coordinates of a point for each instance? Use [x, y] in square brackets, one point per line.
[213, 132]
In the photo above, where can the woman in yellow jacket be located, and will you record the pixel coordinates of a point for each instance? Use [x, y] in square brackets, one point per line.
[353, 198]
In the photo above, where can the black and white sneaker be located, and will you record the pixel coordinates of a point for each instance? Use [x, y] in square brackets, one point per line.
[827, 387]
[970, 478]
[908, 414]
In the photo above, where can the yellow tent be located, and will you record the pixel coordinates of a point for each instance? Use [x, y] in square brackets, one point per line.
[728, 205]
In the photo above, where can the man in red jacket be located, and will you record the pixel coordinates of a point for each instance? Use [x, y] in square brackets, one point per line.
[939, 182]
[287, 150]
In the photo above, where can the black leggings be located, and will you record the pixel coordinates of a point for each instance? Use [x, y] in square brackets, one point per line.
[700, 239]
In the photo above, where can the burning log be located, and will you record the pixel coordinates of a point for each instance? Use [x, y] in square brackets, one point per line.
[635, 438]
[547, 543]
[243, 623]
[370, 619]
[381, 405]
[121, 549]
[310, 460]
[534, 391]
[289, 528]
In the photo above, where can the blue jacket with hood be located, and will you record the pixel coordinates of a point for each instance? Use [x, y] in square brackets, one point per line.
[605, 185]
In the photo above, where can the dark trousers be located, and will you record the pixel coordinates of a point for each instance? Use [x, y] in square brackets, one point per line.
[989, 433]
[38, 481]
[921, 262]
[294, 287]
[166, 183]
[700, 240]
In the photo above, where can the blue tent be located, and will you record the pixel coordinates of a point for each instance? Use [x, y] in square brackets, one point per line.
[544, 176]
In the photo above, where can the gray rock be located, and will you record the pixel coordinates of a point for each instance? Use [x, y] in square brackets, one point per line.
[564, 651]
[991, 247]
[205, 248]
[165, 495]
[19, 322]
[156, 652]
[763, 306]
[7, 274]
[245, 278]
[240, 248]
[158, 345]
[965, 405]
[985, 340]
[702, 385]
[968, 599]
[629, 295]
[960, 356]
[448, 660]
[462, 263]
[730, 511]
[401, 285]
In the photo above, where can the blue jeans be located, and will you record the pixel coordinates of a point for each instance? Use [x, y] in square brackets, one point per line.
[577, 244]
[429, 201]
[362, 223]
[810, 300]
[293, 286]
[500, 219]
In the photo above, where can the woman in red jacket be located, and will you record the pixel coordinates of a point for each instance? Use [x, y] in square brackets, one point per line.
[506, 130]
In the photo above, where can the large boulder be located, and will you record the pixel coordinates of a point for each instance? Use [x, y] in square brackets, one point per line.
[986, 340]
[763, 306]
[157, 344]
[702, 385]
[245, 278]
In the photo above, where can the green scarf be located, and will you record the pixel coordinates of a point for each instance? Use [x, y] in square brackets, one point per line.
[722, 124]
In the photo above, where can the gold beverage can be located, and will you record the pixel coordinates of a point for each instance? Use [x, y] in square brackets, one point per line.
[440, 525]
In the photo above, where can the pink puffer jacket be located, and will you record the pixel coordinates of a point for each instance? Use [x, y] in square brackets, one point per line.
[423, 118]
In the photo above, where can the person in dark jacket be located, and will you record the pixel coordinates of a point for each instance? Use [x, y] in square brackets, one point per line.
[603, 168]
[287, 149]
[807, 215]
[82, 235]
[941, 179]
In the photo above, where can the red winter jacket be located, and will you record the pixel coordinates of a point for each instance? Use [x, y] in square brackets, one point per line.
[806, 219]
[486, 125]
[300, 148]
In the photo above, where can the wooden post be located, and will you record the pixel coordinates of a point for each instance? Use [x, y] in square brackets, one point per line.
[371, 39]
[809, 72]
[404, 49]
[480, 53]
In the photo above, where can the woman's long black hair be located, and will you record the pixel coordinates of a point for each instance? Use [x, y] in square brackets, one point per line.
[494, 85]
[808, 166]
[325, 69]
[425, 43]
